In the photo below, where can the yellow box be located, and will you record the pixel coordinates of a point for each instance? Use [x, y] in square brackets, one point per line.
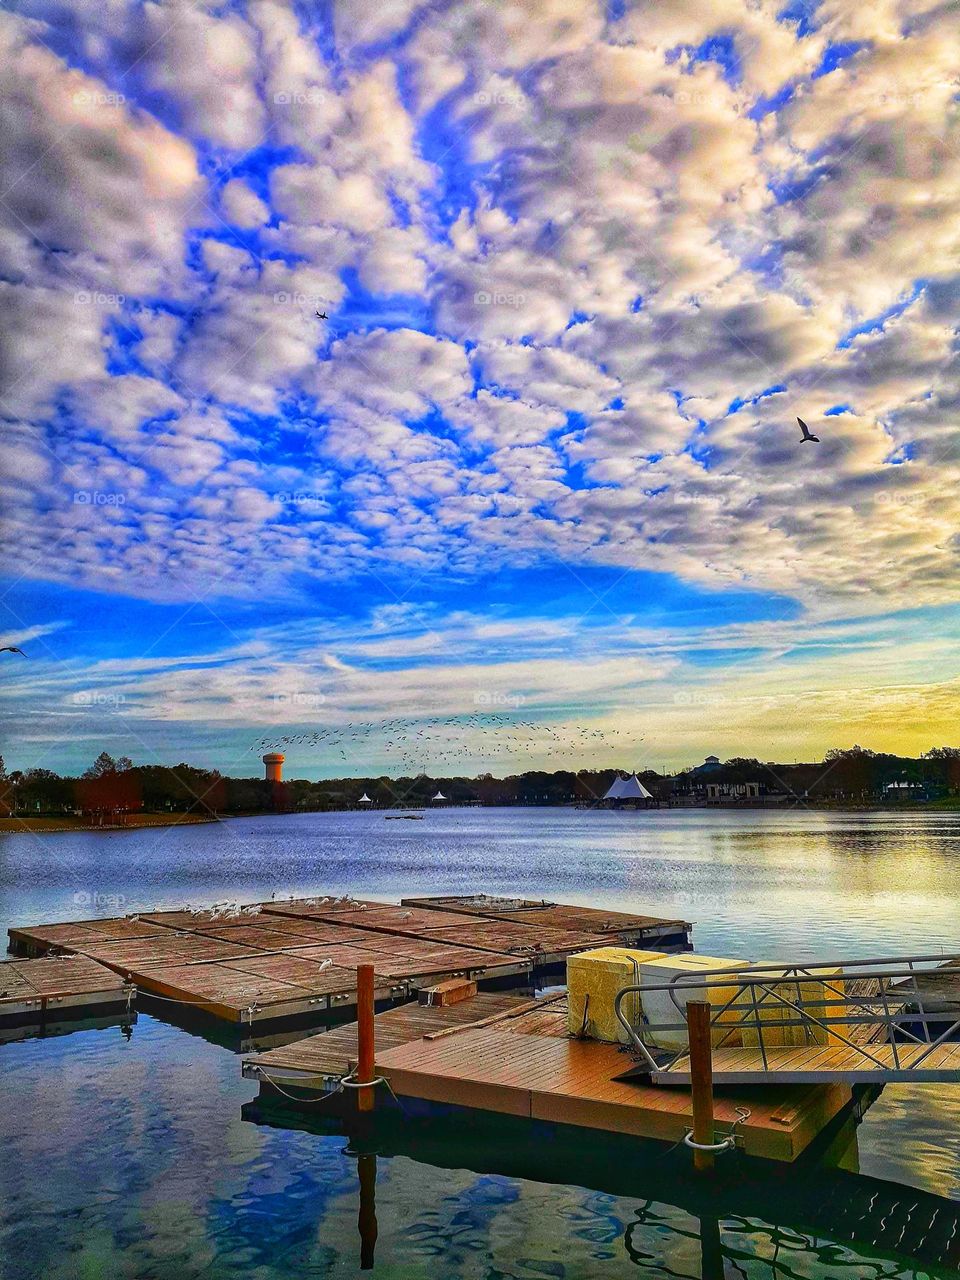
[659, 1006]
[593, 980]
[820, 992]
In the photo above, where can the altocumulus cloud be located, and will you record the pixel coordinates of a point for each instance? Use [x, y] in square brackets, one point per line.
[582, 267]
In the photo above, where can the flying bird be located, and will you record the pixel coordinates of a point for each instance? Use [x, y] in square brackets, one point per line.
[12, 648]
[807, 434]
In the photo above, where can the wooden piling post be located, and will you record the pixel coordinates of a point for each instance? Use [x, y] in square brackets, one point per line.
[365, 1035]
[701, 1079]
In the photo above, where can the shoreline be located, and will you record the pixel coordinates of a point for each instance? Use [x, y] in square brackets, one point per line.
[61, 826]
[52, 826]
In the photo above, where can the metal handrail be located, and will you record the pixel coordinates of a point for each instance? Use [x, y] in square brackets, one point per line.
[759, 984]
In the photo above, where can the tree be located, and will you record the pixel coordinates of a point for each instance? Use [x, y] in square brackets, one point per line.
[102, 765]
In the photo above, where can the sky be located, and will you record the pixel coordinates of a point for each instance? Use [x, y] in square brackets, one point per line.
[386, 361]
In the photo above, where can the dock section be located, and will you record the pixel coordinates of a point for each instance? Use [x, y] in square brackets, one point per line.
[271, 961]
[517, 1059]
[35, 992]
[628, 928]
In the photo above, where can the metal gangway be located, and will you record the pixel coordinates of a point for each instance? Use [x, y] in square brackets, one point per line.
[856, 1022]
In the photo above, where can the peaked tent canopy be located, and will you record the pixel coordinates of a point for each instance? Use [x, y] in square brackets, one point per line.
[364, 799]
[439, 796]
[628, 789]
[615, 789]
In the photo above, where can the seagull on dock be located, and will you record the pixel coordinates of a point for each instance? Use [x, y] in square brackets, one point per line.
[807, 434]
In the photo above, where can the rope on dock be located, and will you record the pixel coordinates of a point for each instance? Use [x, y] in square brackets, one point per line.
[346, 1082]
[294, 1097]
[728, 1143]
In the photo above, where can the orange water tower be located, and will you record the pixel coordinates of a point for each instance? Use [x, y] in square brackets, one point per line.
[273, 763]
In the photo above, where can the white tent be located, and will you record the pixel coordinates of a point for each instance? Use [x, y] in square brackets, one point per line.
[439, 796]
[615, 789]
[633, 789]
[364, 799]
[627, 789]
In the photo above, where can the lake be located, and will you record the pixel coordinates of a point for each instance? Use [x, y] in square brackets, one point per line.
[133, 1158]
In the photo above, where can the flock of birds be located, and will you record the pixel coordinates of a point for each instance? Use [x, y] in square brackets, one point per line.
[449, 741]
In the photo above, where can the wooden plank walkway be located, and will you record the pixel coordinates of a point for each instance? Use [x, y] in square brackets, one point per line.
[514, 1057]
[572, 1082]
[818, 1064]
[33, 990]
[319, 1061]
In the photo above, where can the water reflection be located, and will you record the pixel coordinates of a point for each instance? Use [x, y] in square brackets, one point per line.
[643, 1204]
[134, 1157]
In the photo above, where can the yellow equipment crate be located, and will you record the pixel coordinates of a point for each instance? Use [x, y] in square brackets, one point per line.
[593, 980]
[659, 1006]
[821, 992]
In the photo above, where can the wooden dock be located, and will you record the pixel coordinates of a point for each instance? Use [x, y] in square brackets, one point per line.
[271, 961]
[35, 992]
[628, 928]
[813, 1064]
[515, 1058]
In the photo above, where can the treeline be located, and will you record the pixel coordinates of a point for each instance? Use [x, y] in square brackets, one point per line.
[855, 775]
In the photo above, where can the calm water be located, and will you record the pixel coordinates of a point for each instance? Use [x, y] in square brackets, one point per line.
[132, 1158]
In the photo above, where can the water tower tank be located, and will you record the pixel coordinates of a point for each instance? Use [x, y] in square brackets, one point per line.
[273, 764]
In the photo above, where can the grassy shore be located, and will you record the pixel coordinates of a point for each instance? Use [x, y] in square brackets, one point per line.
[131, 822]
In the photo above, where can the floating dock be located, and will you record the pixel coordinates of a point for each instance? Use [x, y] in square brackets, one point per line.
[37, 993]
[280, 960]
[514, 1057]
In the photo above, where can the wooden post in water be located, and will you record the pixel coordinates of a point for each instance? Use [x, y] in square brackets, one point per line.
[365, 1035]
[701, 1079]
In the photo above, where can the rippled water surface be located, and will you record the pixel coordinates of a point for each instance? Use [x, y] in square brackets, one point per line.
[132, 1158]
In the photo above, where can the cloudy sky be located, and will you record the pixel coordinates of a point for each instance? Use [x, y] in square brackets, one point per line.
[582, 265]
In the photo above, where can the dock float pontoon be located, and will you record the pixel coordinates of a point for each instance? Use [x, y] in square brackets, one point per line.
[501, 1054]
[274, 961]
[37, 993]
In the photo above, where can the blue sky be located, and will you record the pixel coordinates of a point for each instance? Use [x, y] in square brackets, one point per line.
[540, 460]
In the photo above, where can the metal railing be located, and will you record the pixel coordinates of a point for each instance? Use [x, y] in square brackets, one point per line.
[883, 996]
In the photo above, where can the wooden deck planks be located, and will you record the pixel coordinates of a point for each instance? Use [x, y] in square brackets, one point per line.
[29, 989]
[511, 1055]
[572, 1082]
[814, 1064]
[594, 920]
[330, 1054]
[408, 947]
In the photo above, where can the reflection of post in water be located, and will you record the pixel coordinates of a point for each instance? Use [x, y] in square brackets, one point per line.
[367, 1220]
[711, 1250]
